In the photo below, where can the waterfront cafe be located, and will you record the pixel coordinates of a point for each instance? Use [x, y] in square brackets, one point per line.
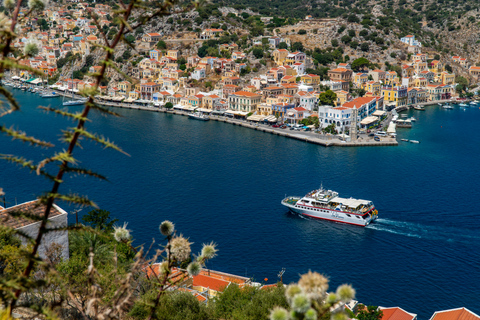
[236, 114]
[369, 121]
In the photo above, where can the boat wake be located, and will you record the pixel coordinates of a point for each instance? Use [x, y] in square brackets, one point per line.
[416, 230]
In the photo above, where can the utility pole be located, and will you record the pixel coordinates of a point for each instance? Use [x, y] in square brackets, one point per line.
[280, 274]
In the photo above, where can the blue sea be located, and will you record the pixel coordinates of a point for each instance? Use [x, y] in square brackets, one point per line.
[223, 183]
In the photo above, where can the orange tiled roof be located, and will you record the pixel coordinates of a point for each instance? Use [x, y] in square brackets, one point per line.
[455, 314]
[396, 314]
[31, 207]
[210, 282]
[358, 102]
[246, 94]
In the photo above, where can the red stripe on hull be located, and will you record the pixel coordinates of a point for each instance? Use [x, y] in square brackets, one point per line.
[361, 225]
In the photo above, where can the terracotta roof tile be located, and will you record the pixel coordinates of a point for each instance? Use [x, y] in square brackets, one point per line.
[9, 217]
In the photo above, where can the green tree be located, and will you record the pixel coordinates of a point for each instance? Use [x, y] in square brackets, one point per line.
[328, 98]
[282, 45]
[360, 64]
[334, 42]
[161, 45]
[302, 31]
[258, 53]
[364, 47]
[169, 105]
[130, 38]
[368, 313]
[99, 219]
[297, 46]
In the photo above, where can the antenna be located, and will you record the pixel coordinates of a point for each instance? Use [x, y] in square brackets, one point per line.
[280, 274]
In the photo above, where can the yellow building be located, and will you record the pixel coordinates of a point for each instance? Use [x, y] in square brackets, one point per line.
[264, 109]
[279, 56]
[436, 66]
[397, 94]
[420, 82]
[373, 87]
[359, 79]
[310, 79]
[447, 78]
[342, 97]
[391, 78]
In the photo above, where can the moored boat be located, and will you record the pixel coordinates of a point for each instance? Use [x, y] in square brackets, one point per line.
[199, 116]
[447, 106]
[74, 102]
[327, 205]
[414, 141]
[420, 108]
[463, 105]
[406, 140]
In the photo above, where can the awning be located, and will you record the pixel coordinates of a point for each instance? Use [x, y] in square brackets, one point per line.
[240, 113]
[204, 110]
[256, 117]
[271, 119]
[391, 127]
[230, 112]
[36, 81]
[378, 113]
[369, 120]
[189, 108]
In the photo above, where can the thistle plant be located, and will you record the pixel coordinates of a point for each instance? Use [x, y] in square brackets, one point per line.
[61, 164]
[309, 300]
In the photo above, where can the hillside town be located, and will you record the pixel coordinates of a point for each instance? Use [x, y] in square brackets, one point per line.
[286, 91]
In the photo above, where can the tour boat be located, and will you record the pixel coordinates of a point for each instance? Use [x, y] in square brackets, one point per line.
[463, 105]
[447, 106]
[419, 108]
[199, 116]
[327, 205]
[75, 102]
[49, 95]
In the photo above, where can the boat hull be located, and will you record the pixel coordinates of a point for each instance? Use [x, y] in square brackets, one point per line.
[330, 215]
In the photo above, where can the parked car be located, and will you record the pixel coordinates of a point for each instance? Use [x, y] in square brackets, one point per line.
[283, 127]
[276, 126]
[371, 134]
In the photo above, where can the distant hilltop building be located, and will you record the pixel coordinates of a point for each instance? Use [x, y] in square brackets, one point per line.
[410, 40]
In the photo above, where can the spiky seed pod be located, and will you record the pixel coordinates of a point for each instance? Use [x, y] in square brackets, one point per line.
[166, 228]
[209, 251]
[311, 314]
[313, 284]
[292, 290]
[37, 4]
[345, 292]
[300, 303]
[121, 234]
[279, 313]
[332, 298]
[339, 316]
[180, 248]
[9, 4]
[194, 268]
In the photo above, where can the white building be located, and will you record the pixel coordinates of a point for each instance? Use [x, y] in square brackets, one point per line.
[410, 40]
[198, 73]
[340, 116]
[332, 85]
[299, 68]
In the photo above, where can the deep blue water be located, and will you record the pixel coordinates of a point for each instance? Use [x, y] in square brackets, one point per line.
[224, 183]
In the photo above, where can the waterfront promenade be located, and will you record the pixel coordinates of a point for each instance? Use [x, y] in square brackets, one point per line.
[309, 137]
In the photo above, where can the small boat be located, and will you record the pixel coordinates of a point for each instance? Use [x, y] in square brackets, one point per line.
[420, 108]
[463, 105]
[440, 104]
[49, 95]
[404, 115]
[199, 116]
[414, 141]
[75, 102]
[413, 119]
[473, 102]
[376, 138]
[406, 140]
[447, 106]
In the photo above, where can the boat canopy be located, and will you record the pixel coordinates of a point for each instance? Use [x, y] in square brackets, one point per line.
[351, 203]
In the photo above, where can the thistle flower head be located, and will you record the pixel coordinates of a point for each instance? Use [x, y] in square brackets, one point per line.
[9, 4]
[209, 250]
[166, 228]
[194, 268]
[292, 290]
[300, 303]
[121, 234]
[180, 248]
[345, 292]
[32, 47]
[332, 298]
[339, 316]
[311, 314]
[313, 284]
[37, 4]
[279, 313]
